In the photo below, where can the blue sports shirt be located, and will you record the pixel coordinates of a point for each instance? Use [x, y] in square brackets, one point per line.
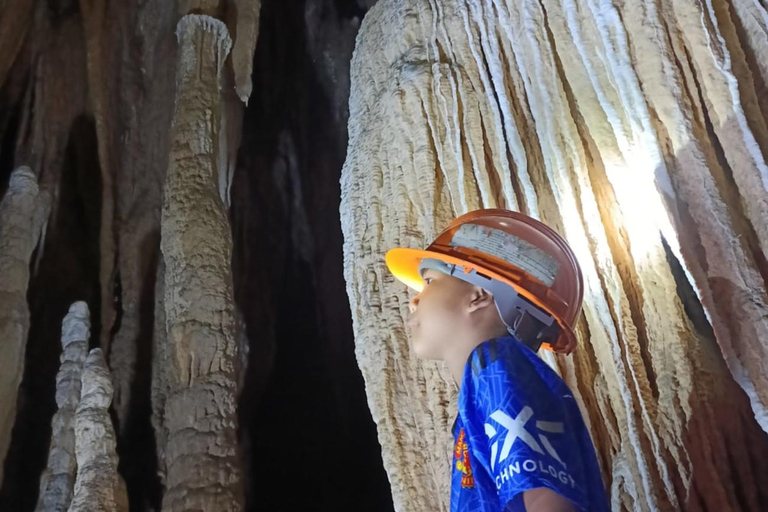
[519, 428]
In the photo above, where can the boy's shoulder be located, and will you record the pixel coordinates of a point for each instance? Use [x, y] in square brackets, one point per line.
[509, 356]
[505, 373]
[524, 426]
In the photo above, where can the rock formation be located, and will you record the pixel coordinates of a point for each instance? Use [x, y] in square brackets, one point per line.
[98, 487]
[637, 130]
[87, 97]
[58, 480]
[23, 213]
[202, 470]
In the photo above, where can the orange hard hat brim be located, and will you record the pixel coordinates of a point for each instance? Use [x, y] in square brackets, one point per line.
[404, 265]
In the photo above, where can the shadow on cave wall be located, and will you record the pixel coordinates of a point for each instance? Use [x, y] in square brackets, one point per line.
[305, 418]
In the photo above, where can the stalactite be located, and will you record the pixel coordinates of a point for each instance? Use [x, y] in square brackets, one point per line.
[576, 112]
[57, 483]
[200, 418]
[23, 211]
[247, 30]
[99, 487]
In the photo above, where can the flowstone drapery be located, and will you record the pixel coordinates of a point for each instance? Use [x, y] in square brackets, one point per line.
[635, 129]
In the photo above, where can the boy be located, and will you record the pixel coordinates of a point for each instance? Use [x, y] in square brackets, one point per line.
[493, 288]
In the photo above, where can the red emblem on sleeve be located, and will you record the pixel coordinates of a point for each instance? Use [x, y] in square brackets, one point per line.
[461, 455]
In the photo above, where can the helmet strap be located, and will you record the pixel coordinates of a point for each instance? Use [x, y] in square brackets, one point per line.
[525, 321]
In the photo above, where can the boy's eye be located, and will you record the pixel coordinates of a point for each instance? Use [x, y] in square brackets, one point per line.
[427, 280]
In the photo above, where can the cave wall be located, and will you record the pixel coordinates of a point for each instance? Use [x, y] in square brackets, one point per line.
[638, 131]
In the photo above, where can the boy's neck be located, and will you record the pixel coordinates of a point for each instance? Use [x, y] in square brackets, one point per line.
[457, 359]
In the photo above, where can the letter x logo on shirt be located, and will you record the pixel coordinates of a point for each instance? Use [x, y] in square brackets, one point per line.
[516, 430]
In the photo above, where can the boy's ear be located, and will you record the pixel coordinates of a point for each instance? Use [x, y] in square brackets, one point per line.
[479, 299]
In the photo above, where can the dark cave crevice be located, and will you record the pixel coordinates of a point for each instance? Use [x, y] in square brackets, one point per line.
[304, 416]
[136, 444]
[9, 125]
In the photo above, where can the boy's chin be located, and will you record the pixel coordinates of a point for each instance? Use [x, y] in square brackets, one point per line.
[425, 351]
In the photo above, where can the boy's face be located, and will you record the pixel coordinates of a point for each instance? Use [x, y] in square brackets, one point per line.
[439, 314]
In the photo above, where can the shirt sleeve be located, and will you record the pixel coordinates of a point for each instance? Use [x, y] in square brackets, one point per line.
[524, 427]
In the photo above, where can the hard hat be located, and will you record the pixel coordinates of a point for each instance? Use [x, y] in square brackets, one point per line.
[529, 269]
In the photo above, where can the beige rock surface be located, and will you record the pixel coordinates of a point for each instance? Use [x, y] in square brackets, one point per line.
[632, 128]
[201, 462]
[98, 487]
[57, 483]
[23, 213]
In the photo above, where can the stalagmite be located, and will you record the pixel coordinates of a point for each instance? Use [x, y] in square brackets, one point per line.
[58, 480]
[200, 417]
[99, 487]
[575, 112]
[23, 211]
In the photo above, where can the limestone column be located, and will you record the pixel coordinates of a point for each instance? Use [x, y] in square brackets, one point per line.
[23, 212]
[98, 487]
[58, 481]
[200, 409]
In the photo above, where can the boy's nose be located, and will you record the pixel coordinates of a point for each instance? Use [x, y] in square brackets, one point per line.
[414, 303]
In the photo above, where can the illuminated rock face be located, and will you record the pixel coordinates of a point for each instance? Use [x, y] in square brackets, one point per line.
[638, 132]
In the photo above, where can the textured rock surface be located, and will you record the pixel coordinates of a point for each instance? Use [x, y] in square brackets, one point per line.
[634, 129]
[98, 487]
[23, 212]
[200, 409]
[87, 95]
[57, 483]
